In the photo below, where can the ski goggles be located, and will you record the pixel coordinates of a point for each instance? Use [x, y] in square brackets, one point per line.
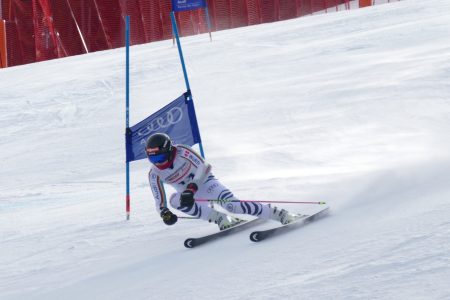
[158, 158]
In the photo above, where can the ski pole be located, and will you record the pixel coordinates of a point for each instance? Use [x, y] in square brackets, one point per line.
[262, 201]
[189, 218]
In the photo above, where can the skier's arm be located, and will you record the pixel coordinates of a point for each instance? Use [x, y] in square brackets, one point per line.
[159, 194]
[202, 173]
[203, 167]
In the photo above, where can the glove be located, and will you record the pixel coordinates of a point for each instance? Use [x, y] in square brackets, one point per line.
[168, 217]
[187, 197]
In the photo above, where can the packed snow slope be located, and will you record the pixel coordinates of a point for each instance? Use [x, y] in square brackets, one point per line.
[351, 108]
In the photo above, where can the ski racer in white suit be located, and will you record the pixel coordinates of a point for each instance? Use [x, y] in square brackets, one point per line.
[182, 168]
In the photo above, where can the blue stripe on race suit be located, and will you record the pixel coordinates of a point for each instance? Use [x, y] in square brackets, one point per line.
[196, 209]
[258, 209]
[261, 209]
[196, 213]
[243, 207]
[247, 206]
[183, 209]
[162, 192]
[186, 209]
[210, 177]
[225, 195]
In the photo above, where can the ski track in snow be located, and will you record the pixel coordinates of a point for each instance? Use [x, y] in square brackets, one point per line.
[359, 104]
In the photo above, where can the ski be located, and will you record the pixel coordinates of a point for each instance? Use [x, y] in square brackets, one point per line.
[194, 242]
[257, 236]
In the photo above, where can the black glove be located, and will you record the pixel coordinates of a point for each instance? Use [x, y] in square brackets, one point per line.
[187, 197]
[168, 217]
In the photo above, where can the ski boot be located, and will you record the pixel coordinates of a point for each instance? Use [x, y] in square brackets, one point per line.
[283, 216]
[222, 220]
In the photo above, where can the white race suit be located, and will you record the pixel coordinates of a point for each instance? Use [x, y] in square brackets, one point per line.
[187, 167]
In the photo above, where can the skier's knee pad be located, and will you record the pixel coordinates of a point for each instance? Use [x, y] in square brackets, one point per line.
[230, 207]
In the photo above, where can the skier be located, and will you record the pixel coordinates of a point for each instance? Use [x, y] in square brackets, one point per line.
[182, 168]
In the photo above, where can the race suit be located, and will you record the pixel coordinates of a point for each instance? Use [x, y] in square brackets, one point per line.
[187, 167]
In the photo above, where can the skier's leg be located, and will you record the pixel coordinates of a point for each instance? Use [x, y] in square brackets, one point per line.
[260, 210]
[200, 210]
[203, 211]
[214, 189]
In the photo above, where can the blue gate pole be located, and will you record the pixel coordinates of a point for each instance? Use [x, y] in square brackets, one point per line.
[180, 52]
[183, 66]
[127, 111]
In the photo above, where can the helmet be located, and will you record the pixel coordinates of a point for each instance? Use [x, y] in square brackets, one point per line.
[158, 148]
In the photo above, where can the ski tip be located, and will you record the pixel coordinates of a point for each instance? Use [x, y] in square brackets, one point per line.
[189, 243]
[254, 236]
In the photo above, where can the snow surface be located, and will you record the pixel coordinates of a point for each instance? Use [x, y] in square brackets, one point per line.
[352, 108]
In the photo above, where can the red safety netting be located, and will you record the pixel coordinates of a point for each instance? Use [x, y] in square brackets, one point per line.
[63, 16]
[221, 14]
[3, 58]
[47, 46]
[239, 13]
[166, 6]
[132, 9]
[288, 9]
[112, 22]
[200, 22]
[305, 7]
[4, 9]
[13, 45]
[151, 18]
[331, 5]
[254, 12]
[39, 30]
[21, 12]
[185, 23]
